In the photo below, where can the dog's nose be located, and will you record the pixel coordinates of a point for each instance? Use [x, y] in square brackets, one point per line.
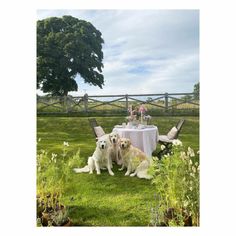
[114, 140]
[102, 146]
[122, 145]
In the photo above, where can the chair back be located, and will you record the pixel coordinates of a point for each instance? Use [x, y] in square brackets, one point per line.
[93, 123]
[179, 126]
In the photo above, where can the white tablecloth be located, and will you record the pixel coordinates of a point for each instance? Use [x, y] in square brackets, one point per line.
[144, 139]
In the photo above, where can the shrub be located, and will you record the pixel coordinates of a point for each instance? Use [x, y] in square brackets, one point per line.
[54, 171]
[176, 177]
[53, 177]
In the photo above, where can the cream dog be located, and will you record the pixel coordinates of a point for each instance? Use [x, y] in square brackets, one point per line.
[99, 159]
[134, 160]
[114, 149]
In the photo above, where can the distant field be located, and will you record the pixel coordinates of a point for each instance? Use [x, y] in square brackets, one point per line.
[51, 105]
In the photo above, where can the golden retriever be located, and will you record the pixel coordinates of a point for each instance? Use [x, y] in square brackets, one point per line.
[114, 149]
[133, 159]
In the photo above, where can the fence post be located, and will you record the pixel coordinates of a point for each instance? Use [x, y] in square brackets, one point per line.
[126, 102]
[166, 102]
[86, 102]
[65, 104]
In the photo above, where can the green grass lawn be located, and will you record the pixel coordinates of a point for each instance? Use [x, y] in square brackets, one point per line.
[105, 200]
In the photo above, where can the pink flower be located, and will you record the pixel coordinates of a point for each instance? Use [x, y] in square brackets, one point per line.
[142, 109]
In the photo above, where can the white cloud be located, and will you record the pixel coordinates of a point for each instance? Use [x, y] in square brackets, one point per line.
[145, 51]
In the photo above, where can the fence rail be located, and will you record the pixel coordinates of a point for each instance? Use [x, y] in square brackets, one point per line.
[157, 104]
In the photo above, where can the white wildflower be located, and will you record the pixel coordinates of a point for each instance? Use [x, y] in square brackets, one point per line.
[167, 155]
[190, 152]
[39, 139]
[192, 174]
[177, 142]
[198, 168]
[54, 155]
[66, 144]
[191, 188]
[182, 155]
[193, 169]
[163, 147]
[185, 203]
[155, 158]
[190, 162]
[198, 152]
[196, 163]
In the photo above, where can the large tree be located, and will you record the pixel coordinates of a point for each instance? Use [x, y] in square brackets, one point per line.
[67, 47]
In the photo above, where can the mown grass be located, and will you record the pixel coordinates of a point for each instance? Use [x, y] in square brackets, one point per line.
[105, 200]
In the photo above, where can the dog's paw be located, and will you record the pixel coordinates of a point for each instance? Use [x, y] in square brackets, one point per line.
[120, 169]
[132, 175]
[98, 173]
[126, 173]
[90, 172]
[111, 173]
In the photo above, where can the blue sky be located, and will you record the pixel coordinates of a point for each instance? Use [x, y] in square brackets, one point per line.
[145, 51]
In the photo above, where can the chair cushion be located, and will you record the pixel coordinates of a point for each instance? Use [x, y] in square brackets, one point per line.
[164, 138]
[172, 133]
[99, 131]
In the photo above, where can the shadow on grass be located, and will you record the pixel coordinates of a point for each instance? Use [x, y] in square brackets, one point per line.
[89, 216]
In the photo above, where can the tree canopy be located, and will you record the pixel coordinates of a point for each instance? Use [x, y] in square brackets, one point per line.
[67, 47]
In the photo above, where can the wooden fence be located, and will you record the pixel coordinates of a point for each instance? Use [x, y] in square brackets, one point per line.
[157, 104]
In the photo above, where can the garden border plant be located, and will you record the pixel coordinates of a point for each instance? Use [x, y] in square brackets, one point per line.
[52, 179]
[176, 177]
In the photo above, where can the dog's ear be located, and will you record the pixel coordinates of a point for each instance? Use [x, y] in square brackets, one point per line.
[110, 137]
[97, 143]
[129, 142]
[118, 141]
[118, 136]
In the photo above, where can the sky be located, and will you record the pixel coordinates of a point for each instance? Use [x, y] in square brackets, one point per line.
[145, 51]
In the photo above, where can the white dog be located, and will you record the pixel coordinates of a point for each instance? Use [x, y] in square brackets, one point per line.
[99, 159]
[134, 160]
[114, 149]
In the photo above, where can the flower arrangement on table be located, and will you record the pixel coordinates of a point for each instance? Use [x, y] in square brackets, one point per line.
[142, 111]
[134, 115]
[132, 118]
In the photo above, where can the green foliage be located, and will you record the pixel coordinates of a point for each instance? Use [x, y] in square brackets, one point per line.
[187, 97]
[196, 91]
[176, 178]
[53, 171]
[67, 47]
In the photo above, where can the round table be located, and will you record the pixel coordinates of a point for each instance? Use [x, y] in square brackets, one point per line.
[145, 139]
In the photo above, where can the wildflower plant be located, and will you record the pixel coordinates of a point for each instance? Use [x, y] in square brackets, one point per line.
[53, 170]
[176, 177]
